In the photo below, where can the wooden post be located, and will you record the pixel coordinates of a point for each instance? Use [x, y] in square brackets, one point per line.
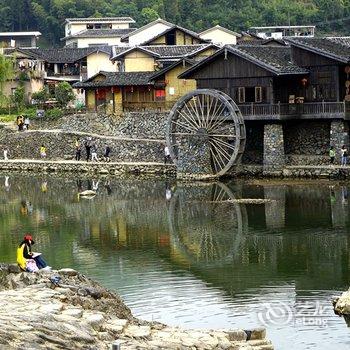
[279, 108]
[323, 107]
[252, 108]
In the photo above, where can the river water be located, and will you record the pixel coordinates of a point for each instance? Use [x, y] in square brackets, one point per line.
[191, 254]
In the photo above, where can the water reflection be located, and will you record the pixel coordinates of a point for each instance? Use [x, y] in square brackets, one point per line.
[189, 253]
[205, 223]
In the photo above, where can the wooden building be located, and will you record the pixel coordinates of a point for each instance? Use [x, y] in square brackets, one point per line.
[276, 82]
[160, 64]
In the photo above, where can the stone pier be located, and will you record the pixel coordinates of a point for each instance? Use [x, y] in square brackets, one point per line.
[274, 157]
[339, 136]
[194, 158]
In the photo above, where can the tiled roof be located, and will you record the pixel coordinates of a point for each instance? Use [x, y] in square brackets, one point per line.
[117, 79]
[276, 59]
[101, 19]
[337, 48]
[266, 42]
[169, 67]
[64, 55]
[100, 33]
[163, 51]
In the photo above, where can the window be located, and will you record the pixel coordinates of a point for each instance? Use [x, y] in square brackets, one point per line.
[170, 38]
[258, 94]
[250, 94]
[241, 94]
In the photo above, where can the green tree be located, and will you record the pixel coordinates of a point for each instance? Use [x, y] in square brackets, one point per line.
[6, 73]
[41, 96]
[64, 94]
[149, 15]
[18, 97]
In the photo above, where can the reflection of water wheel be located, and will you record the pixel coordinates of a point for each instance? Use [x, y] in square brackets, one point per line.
[213, 118]
[204, 227]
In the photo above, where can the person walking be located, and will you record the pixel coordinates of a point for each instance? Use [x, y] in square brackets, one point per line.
[77, 150]
[6, 153]
[331, 155]
[26, 122]
[166, 154]
[77, 153]
[344, 155]
[88, 149]
[107, 153]
[94, 153]
[43, 151]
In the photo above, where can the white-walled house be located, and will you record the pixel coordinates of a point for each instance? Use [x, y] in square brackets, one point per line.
[161, 32]
[87, 32]
[220, 35]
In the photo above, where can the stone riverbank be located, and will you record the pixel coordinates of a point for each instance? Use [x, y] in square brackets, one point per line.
[89, 168]
[78, 313]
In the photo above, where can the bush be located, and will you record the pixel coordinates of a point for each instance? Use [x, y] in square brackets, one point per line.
[54, 113]
[64, 94]
[41, 96]
[18, 97]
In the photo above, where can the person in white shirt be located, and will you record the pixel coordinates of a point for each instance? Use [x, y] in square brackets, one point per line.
[166, 154]
[26, 122]
[6, 154]
[344, 155]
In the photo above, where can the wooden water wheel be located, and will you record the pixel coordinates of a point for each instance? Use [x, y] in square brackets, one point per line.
[214, 118]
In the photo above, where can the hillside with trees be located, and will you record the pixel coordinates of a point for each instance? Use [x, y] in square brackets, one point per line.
[47, 16]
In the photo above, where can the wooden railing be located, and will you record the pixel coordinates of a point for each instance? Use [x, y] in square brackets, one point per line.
[159, 106]
[313, 109]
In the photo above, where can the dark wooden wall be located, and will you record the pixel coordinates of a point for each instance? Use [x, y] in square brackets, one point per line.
[231, 67]
[304, 58]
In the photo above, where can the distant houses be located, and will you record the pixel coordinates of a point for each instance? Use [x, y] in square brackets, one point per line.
[87, 32]
[19, 39]
[146, 77]
[117, 67]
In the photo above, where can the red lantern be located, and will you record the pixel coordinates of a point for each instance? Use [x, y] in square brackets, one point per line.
[304, 81]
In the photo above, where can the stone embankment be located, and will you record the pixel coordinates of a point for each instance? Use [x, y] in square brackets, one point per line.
[90, 168]
[77, 313]
[61, 145]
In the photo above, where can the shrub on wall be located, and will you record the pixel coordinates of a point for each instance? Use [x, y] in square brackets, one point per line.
[64, 94]
[54, 113]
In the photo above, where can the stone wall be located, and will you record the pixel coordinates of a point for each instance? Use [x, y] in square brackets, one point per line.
[132, 124]
[61, 145]
[254, 148]
[307, 142]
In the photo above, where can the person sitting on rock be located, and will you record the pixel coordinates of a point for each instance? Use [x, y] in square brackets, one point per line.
[28, 260]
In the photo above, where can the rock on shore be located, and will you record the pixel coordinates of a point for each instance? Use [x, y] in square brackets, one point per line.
[342, 306]
[80, 314]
